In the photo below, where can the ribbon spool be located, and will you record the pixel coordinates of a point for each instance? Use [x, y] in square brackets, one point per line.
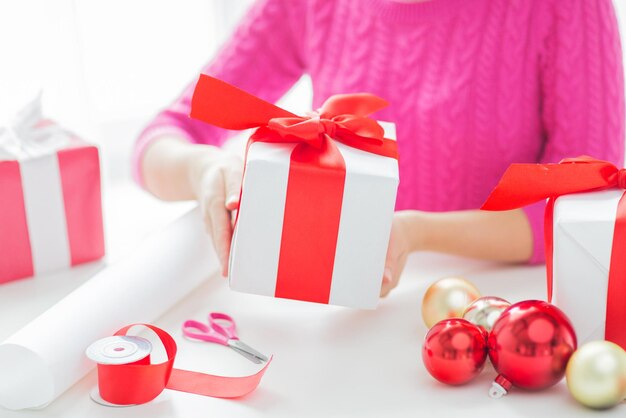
[118, 350]
[126, 377]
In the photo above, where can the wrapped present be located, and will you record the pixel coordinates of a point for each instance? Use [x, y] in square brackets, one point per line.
[51, 214]
[585, 235]
[317, 198]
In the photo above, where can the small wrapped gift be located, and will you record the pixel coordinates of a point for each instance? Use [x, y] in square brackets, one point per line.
[317, 197]
[585, 238]
[51, 214]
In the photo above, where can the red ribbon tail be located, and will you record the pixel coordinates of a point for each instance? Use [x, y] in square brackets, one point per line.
[215, 386]
[221, 104]
[524, 184]
[359, 104]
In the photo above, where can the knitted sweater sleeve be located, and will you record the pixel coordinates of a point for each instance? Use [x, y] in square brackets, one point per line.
[262, 57]
[582, 84]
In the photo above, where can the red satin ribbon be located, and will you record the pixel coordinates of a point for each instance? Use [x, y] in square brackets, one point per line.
[313, 202]
[523, 184]
[343, 118]
[140, 382]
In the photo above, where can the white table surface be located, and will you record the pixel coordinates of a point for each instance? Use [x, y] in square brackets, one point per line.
[329, 361]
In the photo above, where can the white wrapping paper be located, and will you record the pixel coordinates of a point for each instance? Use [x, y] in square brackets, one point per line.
[369, 197]
[583, 240]
[46, 357]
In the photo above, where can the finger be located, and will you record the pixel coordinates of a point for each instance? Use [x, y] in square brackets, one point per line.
[232, 184]
[385, 289]
[386, 285]
[217, 220]
[232, 203]
[222, 232]
[387, 275]
[233, 217]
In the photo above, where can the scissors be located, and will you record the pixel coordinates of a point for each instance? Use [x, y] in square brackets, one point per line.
[221, 329]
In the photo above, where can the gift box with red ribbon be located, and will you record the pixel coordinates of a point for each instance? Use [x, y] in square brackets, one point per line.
[317, 196]
[585, 236]
[50, 210]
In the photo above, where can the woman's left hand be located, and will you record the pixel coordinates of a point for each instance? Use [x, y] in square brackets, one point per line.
[397, 253]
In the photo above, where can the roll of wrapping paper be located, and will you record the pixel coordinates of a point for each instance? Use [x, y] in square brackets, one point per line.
[46, 357]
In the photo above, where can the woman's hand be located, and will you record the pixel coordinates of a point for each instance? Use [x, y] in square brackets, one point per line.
[174, 169]
[498, 236]
[397, 253]
[217, 192]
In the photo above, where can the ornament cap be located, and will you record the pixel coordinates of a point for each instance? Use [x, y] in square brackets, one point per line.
[499, 387]
[496, 391]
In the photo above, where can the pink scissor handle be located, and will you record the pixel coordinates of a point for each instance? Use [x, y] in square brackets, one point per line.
[204, 332]
[223, 324]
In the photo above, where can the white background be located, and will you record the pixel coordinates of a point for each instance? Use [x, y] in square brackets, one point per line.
[107, 66]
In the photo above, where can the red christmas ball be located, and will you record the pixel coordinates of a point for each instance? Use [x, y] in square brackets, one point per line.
[454, 351]
[531, 343]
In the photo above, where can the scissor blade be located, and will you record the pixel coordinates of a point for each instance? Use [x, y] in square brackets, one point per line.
[247, 355]
[241, 346]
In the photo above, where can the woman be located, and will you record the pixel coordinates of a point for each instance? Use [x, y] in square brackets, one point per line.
[474, 86]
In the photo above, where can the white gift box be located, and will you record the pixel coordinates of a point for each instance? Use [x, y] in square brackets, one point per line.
[367, 207]
[583, 229]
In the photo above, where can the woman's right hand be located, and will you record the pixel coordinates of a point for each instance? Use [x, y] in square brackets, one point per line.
[217, 191]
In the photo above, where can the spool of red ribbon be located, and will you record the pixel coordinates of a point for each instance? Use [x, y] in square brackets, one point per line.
[139, 381]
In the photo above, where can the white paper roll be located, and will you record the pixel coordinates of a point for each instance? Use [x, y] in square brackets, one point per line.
[46, 357]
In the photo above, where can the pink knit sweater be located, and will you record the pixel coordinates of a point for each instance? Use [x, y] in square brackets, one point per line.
[474, 85]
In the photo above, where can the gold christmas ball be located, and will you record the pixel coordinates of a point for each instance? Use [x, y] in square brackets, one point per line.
[447, 298]
[596, 374]
[485, 311]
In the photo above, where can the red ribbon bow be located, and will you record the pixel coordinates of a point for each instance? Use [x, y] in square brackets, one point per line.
[343, 117]
[524, 184]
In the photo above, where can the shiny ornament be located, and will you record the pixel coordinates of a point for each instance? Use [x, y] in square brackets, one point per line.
[485, 311]
[596, 374]
[529, 346]
[447, 298]
[454, 351]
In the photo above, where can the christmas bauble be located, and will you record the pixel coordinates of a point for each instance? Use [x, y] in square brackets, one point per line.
[530, 344]
[596, 374]
[454, 351]
[447, 298]
[485, 311]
